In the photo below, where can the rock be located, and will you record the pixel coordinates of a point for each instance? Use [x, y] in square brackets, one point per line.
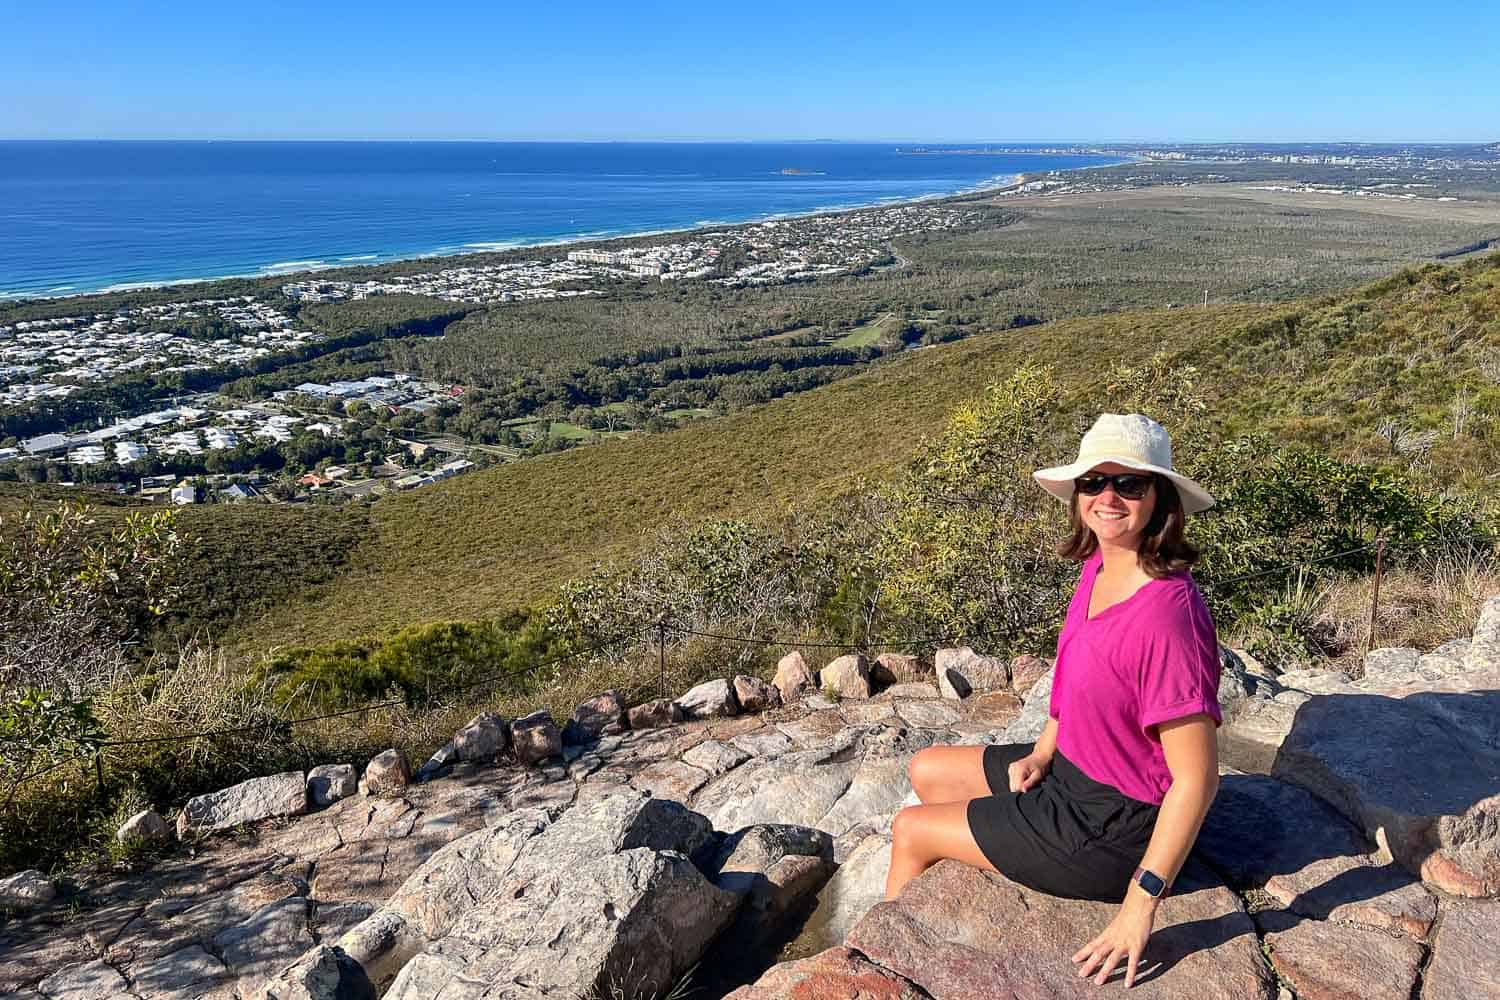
[1437, 811]
[962, 934]
[1250, 738]
[1445, 661]
[324, 973]
[249, 801]
[187, 972]
[655, 714]
[1036, 705]
[716, 758]
[962, 672]
[670, 779]
[502, 907]
[535, 738]
[327, 783]
[1237, 683]
[709, 700]
[797, 788]
[911, 692]
[868, 713]
[485, 737]
[990, 712]
[847, 677]
[1264, 832]
[1317, 682]
[1463, 965]
[1483, 652]
[792, 677]
[602, 715]
[94, 980]
[935, 714]
[1026, 670]
[857, 886]
[388, 773]
[1328, 961]
[146, 826]
[272, 937]
[897, 668]
[753, 851]
[441, 761]
[762, 743]
[828, 975]
[1391, 666]
[754, 694]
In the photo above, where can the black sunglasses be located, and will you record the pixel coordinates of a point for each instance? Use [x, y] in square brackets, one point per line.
[1128, 485]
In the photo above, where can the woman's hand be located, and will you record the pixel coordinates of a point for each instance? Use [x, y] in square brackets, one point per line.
[1125, 937]
[1027, 773]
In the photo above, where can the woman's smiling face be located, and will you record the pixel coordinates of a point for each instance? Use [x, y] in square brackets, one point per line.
[1115, 520]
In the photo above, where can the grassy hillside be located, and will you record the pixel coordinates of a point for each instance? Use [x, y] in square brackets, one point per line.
[1330, 371]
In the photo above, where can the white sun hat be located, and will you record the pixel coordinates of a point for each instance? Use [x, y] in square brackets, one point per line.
[1134, 441]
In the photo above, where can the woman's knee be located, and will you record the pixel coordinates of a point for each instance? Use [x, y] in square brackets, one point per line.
[905, 826]
[925, 771]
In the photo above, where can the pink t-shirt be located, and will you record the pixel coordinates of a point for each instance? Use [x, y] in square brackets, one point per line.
[1151, 658]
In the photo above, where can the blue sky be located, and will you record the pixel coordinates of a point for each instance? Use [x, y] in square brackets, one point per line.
[764, 70]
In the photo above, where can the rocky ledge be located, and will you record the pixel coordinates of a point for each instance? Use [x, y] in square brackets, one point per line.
[1354, 851]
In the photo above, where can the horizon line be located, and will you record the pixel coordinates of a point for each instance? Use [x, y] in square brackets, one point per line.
[691, 140]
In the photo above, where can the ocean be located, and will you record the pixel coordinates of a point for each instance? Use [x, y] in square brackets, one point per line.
[87, 216]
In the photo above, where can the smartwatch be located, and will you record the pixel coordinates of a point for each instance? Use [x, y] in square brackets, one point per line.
[1151, 882]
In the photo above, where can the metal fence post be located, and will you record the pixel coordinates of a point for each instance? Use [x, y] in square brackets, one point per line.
[661, 652]
[1375, 593]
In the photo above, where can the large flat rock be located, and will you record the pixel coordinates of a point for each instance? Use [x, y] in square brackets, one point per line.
[1464, 964]
[1418, 771]
[962, 934]
[1330, 961]
[835, 974]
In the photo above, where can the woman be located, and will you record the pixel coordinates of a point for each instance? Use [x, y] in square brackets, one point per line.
[1107, 803]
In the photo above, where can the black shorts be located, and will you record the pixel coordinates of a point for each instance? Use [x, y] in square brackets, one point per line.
[1067, 836]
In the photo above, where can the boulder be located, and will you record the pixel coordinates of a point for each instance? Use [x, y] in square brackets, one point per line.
[1418, 773]
[1262, 832]
[271, 938]
[249, 801]
[1035, 705]
[857, 886]
[962, 934]
[754, 694]
[1329, 961]
[709, 700]
[792, 677]
[1483, 651]
[601, 715]
[847, 677]
[897, 668]
[323, 973]
[716, 758]
[506, 906]
[1252, 735]
[441, 761]
[962, 672]
[485, 737]
[670, 779]
[930, 714]
[911, 691]
[94, 980]
[655, 714]
[753, 851]
[388, 773]
[535, 738]
[1385, 667]
[837, 972]
[776, 869]
[766, 742]
[1463, 954]
[1446, 660]
[327, 783]
[1026, 670]
[146, 827]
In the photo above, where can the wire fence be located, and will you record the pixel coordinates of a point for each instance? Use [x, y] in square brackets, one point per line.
[662, 627]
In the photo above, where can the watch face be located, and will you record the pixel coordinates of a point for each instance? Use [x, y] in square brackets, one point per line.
[1152, 883]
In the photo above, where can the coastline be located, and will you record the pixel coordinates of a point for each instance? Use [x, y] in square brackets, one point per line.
[293, 270]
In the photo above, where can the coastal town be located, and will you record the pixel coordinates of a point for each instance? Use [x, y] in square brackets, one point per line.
[770, 252]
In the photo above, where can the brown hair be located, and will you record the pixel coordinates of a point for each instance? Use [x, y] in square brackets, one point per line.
[1164, 549]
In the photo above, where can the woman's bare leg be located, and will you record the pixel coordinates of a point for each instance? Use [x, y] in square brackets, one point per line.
[949, 774]
[921, 836]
